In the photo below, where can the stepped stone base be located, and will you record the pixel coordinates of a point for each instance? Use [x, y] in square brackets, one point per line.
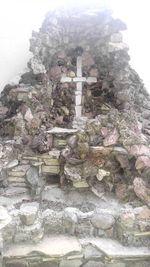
[66, 251]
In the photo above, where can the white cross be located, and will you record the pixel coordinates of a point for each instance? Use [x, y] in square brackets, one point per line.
[79, 80]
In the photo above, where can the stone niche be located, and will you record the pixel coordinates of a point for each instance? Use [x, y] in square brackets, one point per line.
[75, 150]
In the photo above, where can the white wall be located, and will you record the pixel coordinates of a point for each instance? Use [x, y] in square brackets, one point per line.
[19, 17]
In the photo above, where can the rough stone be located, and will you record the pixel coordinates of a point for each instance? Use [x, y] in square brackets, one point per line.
[5, 218]
[70, 263]
[70, 220]
[141, 190]
[116, 38]
[32, 177]
[37, 66]
[111, 138]
[116, 264]
[54, 246]
[139, 150]
[12, 164]
[53, 221]
[142, 162]
[103, 221]
[94, 264]
[101, 174]
[28, 213]
[91, 252]
[16, 263]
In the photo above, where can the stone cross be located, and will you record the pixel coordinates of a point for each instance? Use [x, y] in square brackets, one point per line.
[79, 80]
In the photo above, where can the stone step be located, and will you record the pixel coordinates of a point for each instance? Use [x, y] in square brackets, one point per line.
[60, 246]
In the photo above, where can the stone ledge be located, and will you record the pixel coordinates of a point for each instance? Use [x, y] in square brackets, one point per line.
[114, 250]
[53, 247]
[65, 246]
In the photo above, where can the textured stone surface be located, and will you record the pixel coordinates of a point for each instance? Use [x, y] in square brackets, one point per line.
[141, 190]
[116, 264]
[113, 249]
[56, 246]
[103, 221]
[28, 213]
[94, 264]
[16, 263]
[70, 263]
[5, 218]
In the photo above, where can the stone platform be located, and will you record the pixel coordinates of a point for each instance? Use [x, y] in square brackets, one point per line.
[66, 251]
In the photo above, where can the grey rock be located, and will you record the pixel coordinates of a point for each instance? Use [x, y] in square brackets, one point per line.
[57, 130]
[54, 194]
[37, 66]
[103, 221]
[29, 233]
[113, 47]
[52, 221]
[94, 264]
[12, 164]
[70, 263]
[70, 220]
[73, 173]
[16, 263]
[5, 218]
[44, 264]
[72, 141]
[117, 264]
[28, 213]
[32, 176]
[15, 191]
[140, 264]
[91, 252]
[116, 37]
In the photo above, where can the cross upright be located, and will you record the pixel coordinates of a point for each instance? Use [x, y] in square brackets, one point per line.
[78, 80]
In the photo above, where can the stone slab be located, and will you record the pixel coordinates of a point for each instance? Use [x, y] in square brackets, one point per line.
[79, 79]
[57, 130]
[78, 111]
[53, 247]
[113, 249]
[91, 80]
[66, 79]
[50, 169]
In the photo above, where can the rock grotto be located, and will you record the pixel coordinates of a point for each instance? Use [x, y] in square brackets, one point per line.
[75, 150]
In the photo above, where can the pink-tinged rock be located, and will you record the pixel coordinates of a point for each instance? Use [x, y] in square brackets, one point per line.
[28, 115]
[3, 111]
[142, 213]
[121, 191]
[55, 72]
[123, 160]
[93, 72]
[87, 59]
[138, 150]
[61, 55]
[142, 162]
[111, 138]
[104, 131]
[141, 190]
[127, 218]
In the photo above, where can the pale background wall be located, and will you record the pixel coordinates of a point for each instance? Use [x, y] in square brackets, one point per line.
[19, 17]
